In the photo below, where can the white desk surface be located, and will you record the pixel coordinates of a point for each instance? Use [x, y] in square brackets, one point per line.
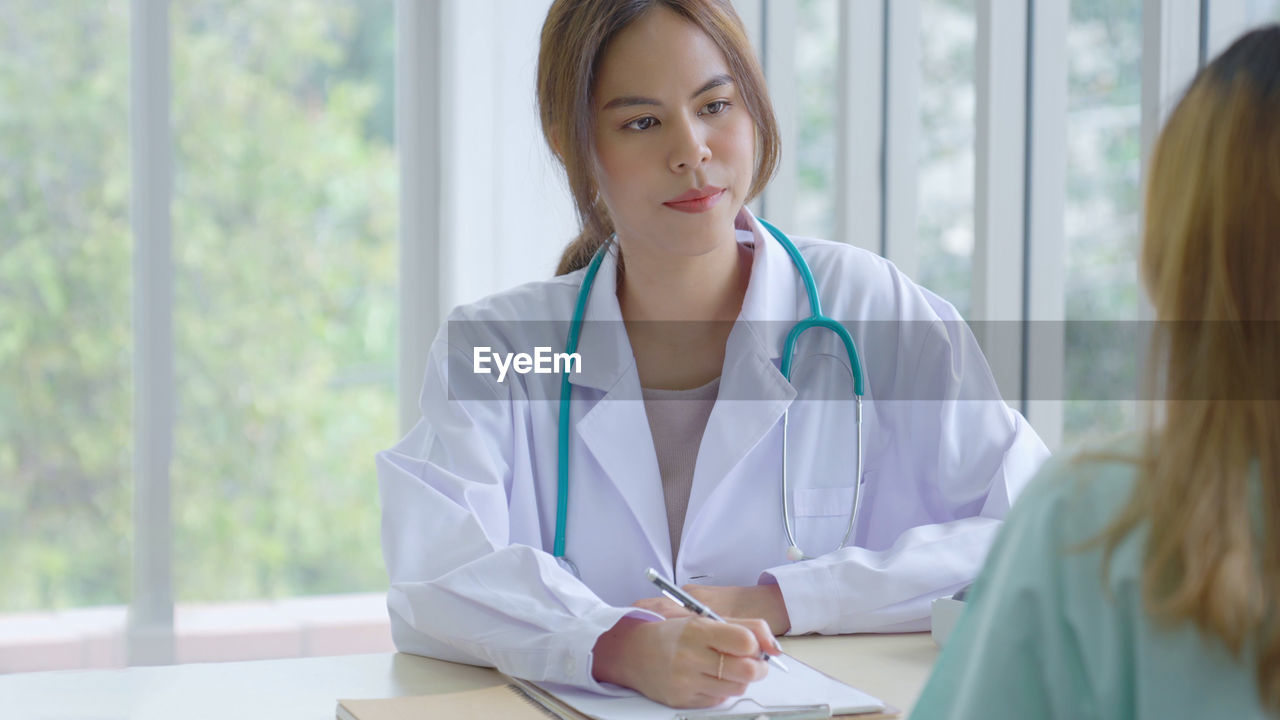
[891, 667]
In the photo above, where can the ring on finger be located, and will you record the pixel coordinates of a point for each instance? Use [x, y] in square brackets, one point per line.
[720, 669]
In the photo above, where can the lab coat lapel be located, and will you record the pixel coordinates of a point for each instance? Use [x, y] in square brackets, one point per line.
[753, 393]
[615, 430]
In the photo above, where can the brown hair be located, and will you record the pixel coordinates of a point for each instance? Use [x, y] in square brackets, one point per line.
[574, 38]
[1208, 475]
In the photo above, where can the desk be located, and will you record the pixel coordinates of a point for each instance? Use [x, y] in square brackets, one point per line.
[891, 667]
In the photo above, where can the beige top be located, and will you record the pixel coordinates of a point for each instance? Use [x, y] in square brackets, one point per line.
[677, 419]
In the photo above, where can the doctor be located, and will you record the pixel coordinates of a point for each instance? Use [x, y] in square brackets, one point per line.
[678, 410]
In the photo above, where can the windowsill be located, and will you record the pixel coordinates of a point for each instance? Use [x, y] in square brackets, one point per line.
[293, 627]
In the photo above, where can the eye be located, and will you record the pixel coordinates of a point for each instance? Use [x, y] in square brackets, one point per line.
[643, 123]
[715, 107]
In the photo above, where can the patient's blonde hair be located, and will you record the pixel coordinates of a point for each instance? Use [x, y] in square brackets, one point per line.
[1211, 264]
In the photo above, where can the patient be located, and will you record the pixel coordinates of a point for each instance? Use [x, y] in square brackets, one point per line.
[1143, 580]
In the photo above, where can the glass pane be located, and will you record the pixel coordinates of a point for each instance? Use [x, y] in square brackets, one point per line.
[285, 294]
[947, 33]
[816, 58]
[65, 369]
[1259, 12]
[1104, 51]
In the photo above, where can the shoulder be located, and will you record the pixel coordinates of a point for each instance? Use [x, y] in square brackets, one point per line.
[1045, 551]
[852, 276]
[521, 319]
[550, 299]
[1077, 494]
[1053, 535]
[841, 259]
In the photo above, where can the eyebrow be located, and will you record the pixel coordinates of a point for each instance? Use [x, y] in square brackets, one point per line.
[630, 100]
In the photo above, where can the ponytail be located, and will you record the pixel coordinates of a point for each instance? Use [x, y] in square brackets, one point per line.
[578, 253]
[597, 228]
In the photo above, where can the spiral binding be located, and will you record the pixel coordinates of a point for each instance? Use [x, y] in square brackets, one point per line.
[543, 703]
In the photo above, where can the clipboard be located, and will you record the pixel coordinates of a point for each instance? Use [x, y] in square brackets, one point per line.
[798, 712]
[803, 694]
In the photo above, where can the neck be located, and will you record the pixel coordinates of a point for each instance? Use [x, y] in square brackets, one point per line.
[706, 287]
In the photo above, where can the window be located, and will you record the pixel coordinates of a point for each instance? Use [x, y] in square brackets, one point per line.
[284, 296]
[947, 35]
[1260, 12]
[284, 255]
[65, 368]
[1101, 297]
[1102, 212]
[816, 81]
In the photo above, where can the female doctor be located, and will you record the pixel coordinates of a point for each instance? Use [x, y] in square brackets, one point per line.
[691, 444]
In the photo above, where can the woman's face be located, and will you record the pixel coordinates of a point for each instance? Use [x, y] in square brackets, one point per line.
[671, 126]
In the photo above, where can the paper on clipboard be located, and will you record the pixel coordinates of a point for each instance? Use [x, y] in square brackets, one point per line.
[802, 686]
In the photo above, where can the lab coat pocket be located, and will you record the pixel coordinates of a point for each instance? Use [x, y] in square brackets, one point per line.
[822, 517]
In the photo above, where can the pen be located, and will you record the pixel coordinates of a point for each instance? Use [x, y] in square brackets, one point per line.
[691, 603]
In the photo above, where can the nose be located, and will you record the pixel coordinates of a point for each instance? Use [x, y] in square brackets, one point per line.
[689, 146]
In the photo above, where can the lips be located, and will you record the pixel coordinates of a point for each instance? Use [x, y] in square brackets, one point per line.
[696, 200]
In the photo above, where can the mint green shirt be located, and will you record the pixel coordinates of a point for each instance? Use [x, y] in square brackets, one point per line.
[1041, 639]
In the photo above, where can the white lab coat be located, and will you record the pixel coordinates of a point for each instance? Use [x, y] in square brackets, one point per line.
[469, 495]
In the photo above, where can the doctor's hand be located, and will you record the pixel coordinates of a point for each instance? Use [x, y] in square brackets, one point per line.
[757, 601]
[683, 662]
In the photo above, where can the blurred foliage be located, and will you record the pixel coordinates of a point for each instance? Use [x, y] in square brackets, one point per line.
[285, 305]
[816, 96]
[1104, 94]
[1103, 145]
[944, 208]
[64, 306]
[1102, 210]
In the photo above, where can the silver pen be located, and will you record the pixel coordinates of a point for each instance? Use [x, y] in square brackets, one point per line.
[691, 603]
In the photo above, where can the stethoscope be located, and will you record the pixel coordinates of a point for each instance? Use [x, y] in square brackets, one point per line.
[815, 320]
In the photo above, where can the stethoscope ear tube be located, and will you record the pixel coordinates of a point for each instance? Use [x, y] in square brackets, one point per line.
[816, 319]
[566, 394]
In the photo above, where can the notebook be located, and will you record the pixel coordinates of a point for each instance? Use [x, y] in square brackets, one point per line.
[498, 701]
[802, 693]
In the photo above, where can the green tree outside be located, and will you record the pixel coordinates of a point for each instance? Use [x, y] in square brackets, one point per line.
[285, 298]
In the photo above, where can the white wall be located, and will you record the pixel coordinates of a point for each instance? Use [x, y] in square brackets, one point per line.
[506, 210]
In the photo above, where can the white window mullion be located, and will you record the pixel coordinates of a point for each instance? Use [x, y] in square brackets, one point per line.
[150, 626]
[1046, 200]
[779, 51]
[1170, 58]
[420, 36]
[1000, 86]
[901, 133]
[859, 123]
[1226, 20]
[473, 164]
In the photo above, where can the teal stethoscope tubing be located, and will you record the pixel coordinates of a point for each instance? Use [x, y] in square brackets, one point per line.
[815, 320]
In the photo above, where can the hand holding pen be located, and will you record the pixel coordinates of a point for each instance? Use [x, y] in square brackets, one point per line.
[693, 605]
